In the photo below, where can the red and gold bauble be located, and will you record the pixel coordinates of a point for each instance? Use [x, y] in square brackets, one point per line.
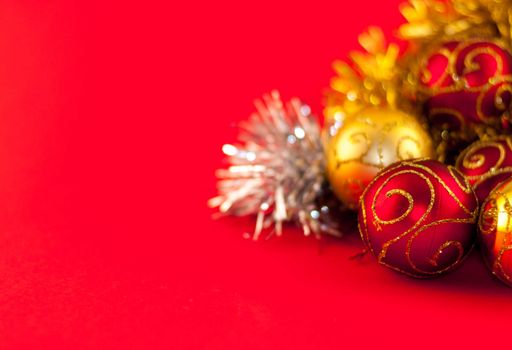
[495, 231]
[467, 83]
[486, 163]
[417, 217]
[366, 143]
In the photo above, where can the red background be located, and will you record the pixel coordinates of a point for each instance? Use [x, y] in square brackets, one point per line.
[112, 117]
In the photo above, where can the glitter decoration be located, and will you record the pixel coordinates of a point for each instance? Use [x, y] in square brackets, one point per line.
[277, 172]
[418, 217]
[435, 20]
[370, 78]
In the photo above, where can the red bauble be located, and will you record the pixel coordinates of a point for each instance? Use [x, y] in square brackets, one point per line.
[466, 83]
[486, 163]
[417, 217]
[495, 231]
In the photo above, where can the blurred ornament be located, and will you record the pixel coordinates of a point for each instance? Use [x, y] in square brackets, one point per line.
[467, 82]
[486, 163]
[278, 170]
[368, 142]
[417, 217]
[440, 20]
[466, 87]
[495, 231]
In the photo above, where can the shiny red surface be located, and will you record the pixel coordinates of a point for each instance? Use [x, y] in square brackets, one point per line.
[465, 79]
[419, 218]
[486, 164]
[112, 118]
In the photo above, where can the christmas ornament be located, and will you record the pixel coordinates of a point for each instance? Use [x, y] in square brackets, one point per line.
[368, 142]
[417, 217]
[278, 170]
[369, 127]
[486, 163]
[466, 84]
[495, 231]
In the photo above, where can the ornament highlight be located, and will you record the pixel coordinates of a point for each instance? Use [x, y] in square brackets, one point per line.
[495, 231]
[417, 217]
[486, 163]
[368, 142]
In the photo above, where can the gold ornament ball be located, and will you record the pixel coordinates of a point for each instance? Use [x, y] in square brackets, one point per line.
[495, 231]
[369, 141]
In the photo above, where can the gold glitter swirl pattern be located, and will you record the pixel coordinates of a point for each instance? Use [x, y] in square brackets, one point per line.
[475, 158]
[442, 248]
[473, 161]
[488, 220]
[367, 143]
[405, 229]
[486, 163]
[446, 187]
[497, 95]
[400, 192]
[462, 83]
[408, 148]
[464, 185]
[360, 145]
[458, 78]
[471, 65]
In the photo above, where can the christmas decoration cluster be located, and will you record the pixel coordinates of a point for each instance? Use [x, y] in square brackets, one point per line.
[417, 141]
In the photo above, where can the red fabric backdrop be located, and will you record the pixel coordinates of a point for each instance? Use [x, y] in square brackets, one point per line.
[112, 115]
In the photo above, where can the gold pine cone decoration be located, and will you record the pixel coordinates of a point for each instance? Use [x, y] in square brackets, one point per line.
[368, 142]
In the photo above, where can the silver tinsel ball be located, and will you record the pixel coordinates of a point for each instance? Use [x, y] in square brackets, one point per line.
[277, 171]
